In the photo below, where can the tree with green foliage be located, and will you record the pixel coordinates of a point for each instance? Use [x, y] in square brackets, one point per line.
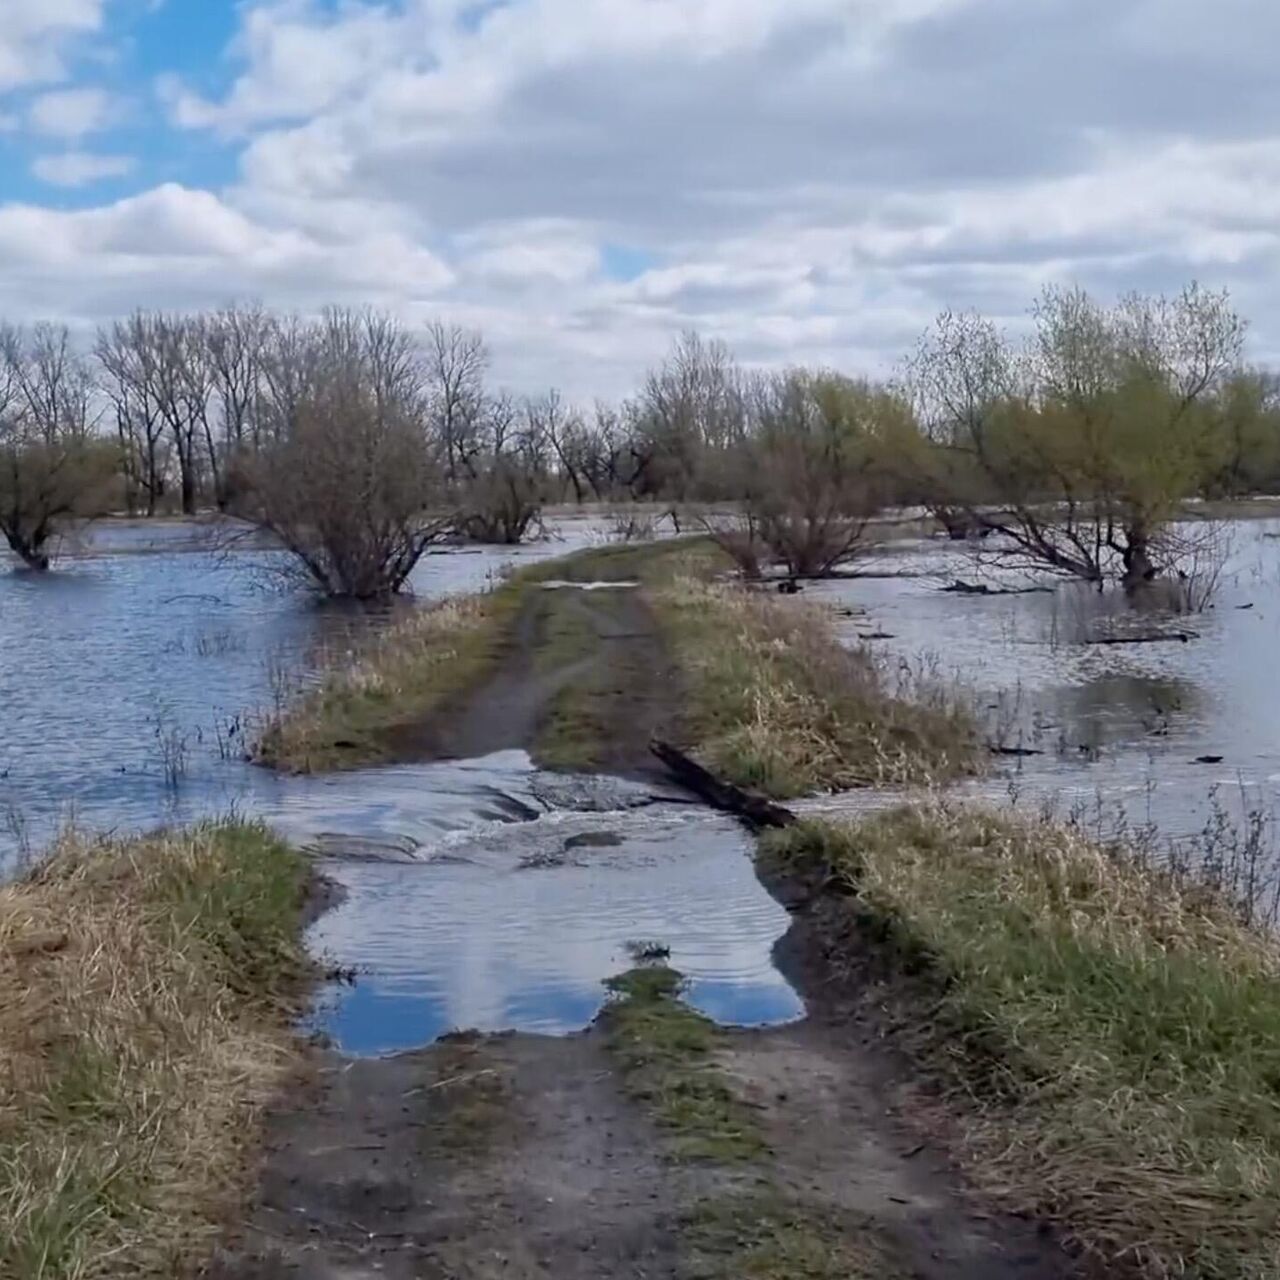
[1079, 447]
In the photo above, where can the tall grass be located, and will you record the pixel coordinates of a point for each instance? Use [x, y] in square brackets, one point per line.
[776, 703]
[397, 679]
[1113, 1030]
[144, 988]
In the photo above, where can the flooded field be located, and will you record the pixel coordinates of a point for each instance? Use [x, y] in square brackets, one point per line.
[484, 894]
[1167, 732]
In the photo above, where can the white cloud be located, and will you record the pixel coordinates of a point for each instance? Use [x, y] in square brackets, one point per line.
[809, 179]
[79, 168]
[34, 36]
[72, 113]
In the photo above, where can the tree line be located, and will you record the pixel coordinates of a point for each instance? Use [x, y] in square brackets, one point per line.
[357, 442]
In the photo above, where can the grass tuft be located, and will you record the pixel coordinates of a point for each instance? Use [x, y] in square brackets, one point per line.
[778, 705]
[667, 1054]
[764, 1236]
[1118, 1030]
[145, 988]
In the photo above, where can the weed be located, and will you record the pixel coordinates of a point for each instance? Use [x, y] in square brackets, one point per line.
[1111, 1027]
[147, 991]
[667, 1054]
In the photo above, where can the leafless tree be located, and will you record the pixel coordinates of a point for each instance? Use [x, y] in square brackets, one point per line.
[806, 470]
[235, 344]
[350, 481]
[125, 360]
[52, 468]
[456, 364]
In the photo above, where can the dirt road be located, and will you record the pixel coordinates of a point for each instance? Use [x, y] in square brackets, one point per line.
[529, 1158]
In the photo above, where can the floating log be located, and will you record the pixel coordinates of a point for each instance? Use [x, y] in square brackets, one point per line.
[1012, 751]
[1150, 637]
[959, 588]
[1208, 760]
[754, 810]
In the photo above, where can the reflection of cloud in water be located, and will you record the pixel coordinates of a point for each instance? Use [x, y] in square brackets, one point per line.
[498, 925]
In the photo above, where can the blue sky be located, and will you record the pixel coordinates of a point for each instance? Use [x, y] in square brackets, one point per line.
[809, 180]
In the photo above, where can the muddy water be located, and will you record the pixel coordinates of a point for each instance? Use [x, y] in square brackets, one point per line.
[1118, 728]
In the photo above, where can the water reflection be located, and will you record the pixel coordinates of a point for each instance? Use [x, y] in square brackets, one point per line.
[1128, 724]
[486, 922]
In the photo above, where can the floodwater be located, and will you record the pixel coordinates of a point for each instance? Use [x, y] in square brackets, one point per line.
[483, 894]
[1125, 728]
[478, 894]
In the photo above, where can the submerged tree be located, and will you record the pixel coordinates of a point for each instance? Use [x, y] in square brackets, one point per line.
[806, 466]
[350, 480]
[1079, 448]
[53, 470]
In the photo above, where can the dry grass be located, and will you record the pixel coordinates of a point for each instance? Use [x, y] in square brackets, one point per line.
[779, 705]
[1113, 1033]
[400, 678]
[143, 994]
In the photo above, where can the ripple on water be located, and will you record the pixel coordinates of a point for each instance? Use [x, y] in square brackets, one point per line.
[473, 922]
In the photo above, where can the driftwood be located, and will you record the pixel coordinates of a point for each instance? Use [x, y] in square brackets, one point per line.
[958, 588]
[754, 810]
[1150, 637]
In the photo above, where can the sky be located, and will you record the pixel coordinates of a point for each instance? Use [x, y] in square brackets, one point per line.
[808, 180]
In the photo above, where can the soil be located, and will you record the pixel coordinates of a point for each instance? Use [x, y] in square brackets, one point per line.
[600, 648]
[524, 1157]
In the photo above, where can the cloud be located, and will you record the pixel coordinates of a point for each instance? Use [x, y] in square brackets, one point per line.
[808, 179]
[73, 113]
[79, 168]
[35, 36]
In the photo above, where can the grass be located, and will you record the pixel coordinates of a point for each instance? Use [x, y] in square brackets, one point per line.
[771, 699]
[1112, 1032]
[402, 677]
[764, 1236]
[667, 1054]
[144, 994]
[778, 705]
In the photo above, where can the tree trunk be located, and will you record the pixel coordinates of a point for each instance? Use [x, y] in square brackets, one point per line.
[31, 551]
[1138, 568]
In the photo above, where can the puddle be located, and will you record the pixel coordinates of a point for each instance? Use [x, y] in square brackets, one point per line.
[458, 915]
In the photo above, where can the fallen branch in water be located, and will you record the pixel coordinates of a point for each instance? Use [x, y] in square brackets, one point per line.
[755, 810]
[1151, 637]
[959, 588]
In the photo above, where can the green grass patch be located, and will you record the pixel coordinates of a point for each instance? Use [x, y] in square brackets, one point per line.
[667, 1054]
[764, 1236]
[146, 991]
[778, 705]
[1114, 1034]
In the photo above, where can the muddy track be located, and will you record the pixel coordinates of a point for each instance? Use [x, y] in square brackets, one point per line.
[585, 681]
[524, 1157]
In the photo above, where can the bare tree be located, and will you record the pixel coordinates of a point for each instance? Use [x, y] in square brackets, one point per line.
[456, 364]
[346, 482]
[234, 342]
[52, 469]
[807, 473]
[124, 355]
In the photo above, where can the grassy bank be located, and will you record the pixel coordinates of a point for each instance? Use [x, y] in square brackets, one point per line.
[1113, 1037]
[777, 704]
[144, 994]
[766, 694]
